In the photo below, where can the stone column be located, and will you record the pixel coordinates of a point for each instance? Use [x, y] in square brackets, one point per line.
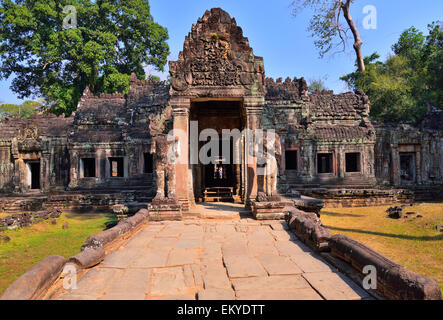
[395, 166]
[340, 156]
[45, 171]
[418, 161]
[181, 107]
[74, 169]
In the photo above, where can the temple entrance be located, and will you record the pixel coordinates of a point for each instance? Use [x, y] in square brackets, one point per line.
[407, 167]
[33, 175]
[219, 178]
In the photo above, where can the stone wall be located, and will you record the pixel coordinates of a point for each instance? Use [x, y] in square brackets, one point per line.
[40, 138]
[318, 123]
[117, 126]
[424, 147]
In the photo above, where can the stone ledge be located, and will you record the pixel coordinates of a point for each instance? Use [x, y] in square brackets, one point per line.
[34, 283]
[307, 227]
[308, 204]
[88, 258]
[393, 280]
[102, 239]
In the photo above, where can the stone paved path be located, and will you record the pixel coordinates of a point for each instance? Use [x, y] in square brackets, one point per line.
[219, 210]
[223, 260]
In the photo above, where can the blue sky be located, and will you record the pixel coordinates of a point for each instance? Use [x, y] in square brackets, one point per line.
[282, 40]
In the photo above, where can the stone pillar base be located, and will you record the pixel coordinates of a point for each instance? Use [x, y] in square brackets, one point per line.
[271, 210]
[165, 212]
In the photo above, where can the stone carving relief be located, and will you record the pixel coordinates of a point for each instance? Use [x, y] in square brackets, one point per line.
[268, 163]
[216, 54]
[214, 68]
[30, 133]
[165, 155]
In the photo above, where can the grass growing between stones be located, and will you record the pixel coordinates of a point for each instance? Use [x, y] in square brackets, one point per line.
[413, 242]
[29, 245]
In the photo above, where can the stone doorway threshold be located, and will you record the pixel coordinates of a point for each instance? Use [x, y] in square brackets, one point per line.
[218, 211]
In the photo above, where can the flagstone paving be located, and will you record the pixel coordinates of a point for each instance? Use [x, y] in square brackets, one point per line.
[214, 260]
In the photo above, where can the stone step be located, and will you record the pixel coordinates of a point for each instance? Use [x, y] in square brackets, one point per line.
[218, 194]
[218, 199]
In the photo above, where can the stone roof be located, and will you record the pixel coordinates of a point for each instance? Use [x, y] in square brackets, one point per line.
[116, 118]
[105, 109]
[348, 105]
[36, 125]
[341, 133]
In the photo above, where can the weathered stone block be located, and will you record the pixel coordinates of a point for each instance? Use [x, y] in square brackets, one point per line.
[268, 210]
[35, 281]
[88, 258]
[393, 280]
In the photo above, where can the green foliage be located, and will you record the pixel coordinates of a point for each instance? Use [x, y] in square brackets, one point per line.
[112, 39]
[316, 85]
[154, 78]
[401, 87]
[25, 110]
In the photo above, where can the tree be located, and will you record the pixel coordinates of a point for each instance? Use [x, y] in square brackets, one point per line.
[401, 87]
[327, 28]
[24, 110]
[111, 40]
[316, 85]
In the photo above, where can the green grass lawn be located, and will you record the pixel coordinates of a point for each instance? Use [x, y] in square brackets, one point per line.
[413, 242]
[29, 245]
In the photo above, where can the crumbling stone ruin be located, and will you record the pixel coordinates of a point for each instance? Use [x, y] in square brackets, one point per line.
[104, 153]
[395, 212]
[26, 219]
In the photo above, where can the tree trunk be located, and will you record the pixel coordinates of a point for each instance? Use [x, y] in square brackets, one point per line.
[357, 41]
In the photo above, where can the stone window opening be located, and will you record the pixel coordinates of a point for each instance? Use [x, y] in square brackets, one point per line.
[148, 163]
[117, 167]
[33, 175]
[353, 163]
[291, 160]
[325, 163]
[88, 168]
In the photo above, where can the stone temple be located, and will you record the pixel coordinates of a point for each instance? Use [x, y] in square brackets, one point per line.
[106, 152]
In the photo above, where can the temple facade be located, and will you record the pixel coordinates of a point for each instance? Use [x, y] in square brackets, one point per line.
[329, 146]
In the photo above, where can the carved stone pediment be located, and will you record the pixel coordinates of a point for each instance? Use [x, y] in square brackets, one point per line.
[30, 132]
[217, 55]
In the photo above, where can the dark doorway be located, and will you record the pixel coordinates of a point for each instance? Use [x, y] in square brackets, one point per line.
[220, 179]
[117, 167]
[407, 167]
[88, 167]
[219, 173]
[148, 163]
[291, 160]
[353, 162]
[324, 163]
[35, 175]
